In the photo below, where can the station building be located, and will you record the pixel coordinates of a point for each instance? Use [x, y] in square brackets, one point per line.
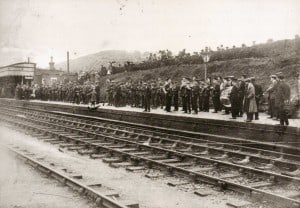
[52, 75]
[27, 73]
[18, 73]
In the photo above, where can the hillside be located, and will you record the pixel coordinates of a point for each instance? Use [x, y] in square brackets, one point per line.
[261, 68]
[94, 61]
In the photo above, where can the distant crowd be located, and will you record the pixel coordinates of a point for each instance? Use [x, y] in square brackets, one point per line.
[230, 95]
[71, 92]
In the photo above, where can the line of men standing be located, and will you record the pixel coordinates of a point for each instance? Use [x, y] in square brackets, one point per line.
[230, 94]
[192, 94]
[70, 92]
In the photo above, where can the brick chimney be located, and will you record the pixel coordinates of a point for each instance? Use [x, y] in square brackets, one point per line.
[51, 64]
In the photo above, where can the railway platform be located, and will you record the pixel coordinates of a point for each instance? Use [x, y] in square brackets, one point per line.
[264, 129]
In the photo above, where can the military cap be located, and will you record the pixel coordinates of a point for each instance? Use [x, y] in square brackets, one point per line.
[281, 76]
[273, 76]
[278, 73]
[252, 78]
[234, 79]
[247, 80]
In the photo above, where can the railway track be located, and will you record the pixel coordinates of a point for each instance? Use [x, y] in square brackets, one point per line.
[271, 174]
[100, 199]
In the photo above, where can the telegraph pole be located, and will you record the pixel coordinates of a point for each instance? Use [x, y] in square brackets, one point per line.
[205, 57]
[68, 62]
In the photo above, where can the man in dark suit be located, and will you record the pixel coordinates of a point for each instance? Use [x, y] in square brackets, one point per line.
[258, 95]
[283, 94]
[271, 96]
[242, 91]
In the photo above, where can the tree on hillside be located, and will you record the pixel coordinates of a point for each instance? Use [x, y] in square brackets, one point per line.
[169, 54]
[163, 55]
[182, 53]
[103, 71]
[150, 58]
[297, 46]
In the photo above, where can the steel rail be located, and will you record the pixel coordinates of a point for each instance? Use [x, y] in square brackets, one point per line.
[285, 201]
[216, 138]
[280, 155]
[173, 152]
[100, 199]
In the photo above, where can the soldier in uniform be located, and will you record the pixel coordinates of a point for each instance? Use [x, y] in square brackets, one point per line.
[201, 88]
[147, 96]
[216, 93]
[76, 98]
[168, 94]
[175, 91]
[162, 95]
[205, 97]
[185, 92]
[195, 95]
[18, 93]
[93, 96]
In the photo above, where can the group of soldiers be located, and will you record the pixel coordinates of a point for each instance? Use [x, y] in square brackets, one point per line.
[229, 94]
[193, 95]
[190, 94]
[71, 92]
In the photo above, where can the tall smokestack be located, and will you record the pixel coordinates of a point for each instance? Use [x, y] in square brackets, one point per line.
[28, 60]
[68, 62]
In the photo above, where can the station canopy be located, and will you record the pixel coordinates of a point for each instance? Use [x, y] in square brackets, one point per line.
[18, 69]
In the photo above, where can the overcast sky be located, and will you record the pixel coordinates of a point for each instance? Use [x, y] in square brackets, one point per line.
[43, 28]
